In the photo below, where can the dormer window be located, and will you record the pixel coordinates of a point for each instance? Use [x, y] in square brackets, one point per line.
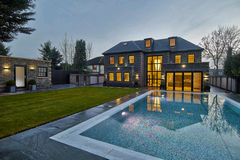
[148, 43]
[172, 42]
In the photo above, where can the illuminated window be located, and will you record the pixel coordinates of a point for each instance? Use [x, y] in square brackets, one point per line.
[121, 60]
[112, 60]
[111, 76]
[191, 58]
[178, 58]
[126, 77]
[148, 43]
[118, 76]
[131, 59]
[172, 42]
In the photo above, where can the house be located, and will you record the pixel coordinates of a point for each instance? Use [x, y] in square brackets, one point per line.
[172, 63]
[95, 67]
[94, 74]
[21, 70]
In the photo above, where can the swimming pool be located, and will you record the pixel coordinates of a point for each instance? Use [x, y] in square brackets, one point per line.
[162, 125]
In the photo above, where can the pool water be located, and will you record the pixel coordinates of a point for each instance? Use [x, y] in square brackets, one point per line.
[171, 125]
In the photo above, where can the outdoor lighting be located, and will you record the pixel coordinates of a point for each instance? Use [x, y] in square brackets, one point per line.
[163, 76]
[137, 76]
[118, 68]
[182, 109]
[6, 67]
[123, 113]
[205, 77]
[183, 66]
[32, 68]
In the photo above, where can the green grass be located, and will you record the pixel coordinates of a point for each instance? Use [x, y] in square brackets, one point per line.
[24, 111]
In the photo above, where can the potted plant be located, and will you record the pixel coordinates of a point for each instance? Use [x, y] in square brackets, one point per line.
[32, 85]
[136, 84]
[11, 87]
[163, 85]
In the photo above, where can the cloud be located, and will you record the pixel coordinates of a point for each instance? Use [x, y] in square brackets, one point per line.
[105, 22]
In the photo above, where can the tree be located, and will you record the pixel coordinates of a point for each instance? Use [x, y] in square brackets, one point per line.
[232, 39]
[4, 51]
[217, 44]
[89, 50]
[67, 49]
[228, 63]
[51, 53]
[80, 55]
[236, 65]
[14, 15]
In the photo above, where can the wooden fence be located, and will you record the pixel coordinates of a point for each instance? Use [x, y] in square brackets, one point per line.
[227, 83]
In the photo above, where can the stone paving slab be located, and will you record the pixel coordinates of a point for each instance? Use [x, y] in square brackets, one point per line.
[36, 144]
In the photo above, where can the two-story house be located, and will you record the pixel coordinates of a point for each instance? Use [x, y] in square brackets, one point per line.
[95, 67]
[173, 63]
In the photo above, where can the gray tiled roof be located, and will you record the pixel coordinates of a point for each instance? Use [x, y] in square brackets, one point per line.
[160, 45]
[96, 61]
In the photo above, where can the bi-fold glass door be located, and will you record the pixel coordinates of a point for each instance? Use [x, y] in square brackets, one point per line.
[184, 81]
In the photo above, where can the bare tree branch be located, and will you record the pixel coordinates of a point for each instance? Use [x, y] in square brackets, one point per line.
[217, 43]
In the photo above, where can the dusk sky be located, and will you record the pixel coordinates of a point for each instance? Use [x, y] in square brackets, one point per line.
[107, 22]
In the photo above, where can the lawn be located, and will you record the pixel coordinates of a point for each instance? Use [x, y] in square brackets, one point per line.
[20, 112]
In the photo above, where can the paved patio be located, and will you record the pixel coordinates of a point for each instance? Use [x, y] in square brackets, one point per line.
[35, 143]
[230, 95]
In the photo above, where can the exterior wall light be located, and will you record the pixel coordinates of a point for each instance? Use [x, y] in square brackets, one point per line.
[118, 68]
[137, 76]
[6, 67]
[183, 66]
[163, 76]
[32, 68]
[205, 77]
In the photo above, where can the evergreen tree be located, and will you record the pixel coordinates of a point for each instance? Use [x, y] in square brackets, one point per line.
[14, 15]
[228, 63]
[4, 51]
[80, 56]
[236, 65]
[51, 53]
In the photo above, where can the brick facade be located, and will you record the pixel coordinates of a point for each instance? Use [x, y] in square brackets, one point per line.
[7, 70]
[158, 48]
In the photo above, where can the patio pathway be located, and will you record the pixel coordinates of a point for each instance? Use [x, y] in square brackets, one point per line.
[230, 95]
[35, 143]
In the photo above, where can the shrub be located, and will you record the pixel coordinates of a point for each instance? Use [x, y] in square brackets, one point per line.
[10, 83]
[31, 82]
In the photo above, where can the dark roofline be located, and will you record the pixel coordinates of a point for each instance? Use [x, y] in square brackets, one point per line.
[96, 61]
[137, 48]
